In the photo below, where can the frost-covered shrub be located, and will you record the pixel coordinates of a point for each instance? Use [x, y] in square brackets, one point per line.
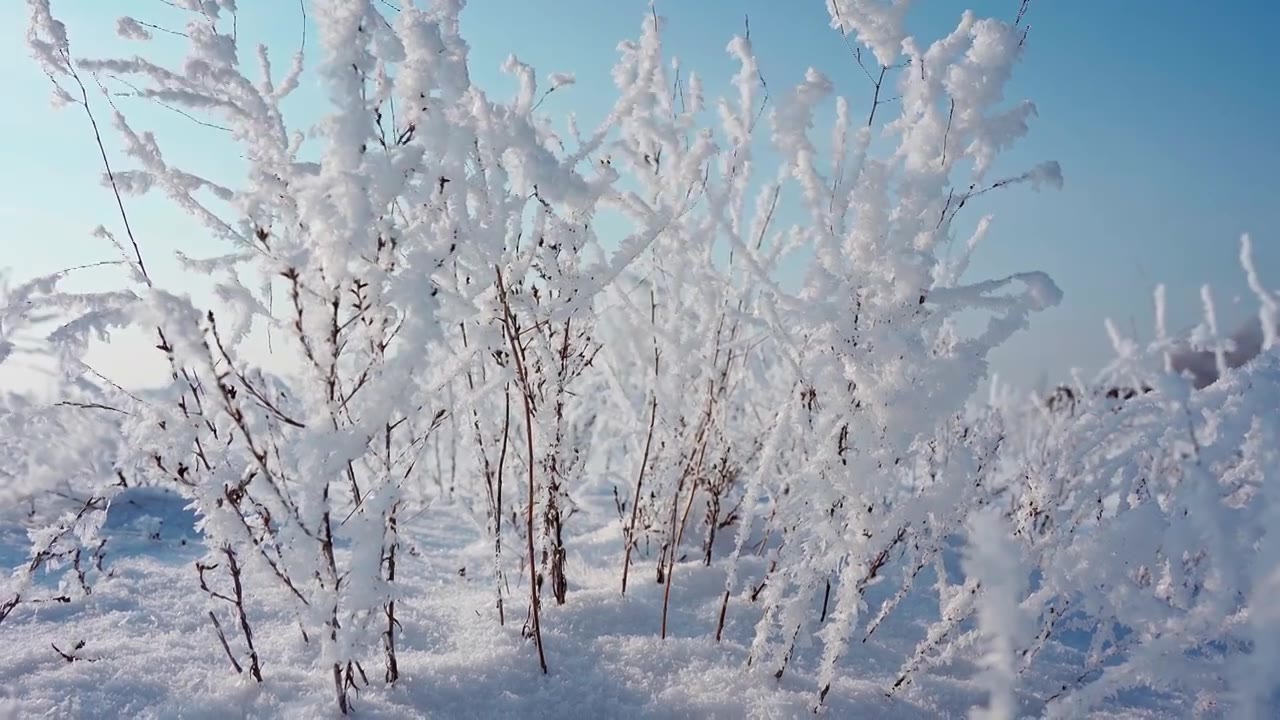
[1147, 517]
[388, 262]
[878, 462]
[58, 453]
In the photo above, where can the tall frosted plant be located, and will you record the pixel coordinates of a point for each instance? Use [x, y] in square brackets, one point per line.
[388, 262]
[881, 370]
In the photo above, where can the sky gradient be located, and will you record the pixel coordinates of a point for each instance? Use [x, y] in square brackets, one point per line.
[1163, 114]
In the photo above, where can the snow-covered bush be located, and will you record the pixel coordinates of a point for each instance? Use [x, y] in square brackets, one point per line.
[1147, 517]
[783, 358]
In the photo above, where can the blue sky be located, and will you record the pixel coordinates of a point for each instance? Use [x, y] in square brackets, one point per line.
[1163, 114]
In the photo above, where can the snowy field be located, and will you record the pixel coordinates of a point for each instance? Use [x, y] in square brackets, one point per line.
[446, 402]
[149, 651]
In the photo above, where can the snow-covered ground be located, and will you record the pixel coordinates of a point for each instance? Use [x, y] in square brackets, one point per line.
[144, 648]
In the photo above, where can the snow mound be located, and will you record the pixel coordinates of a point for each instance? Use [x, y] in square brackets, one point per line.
[142, 516]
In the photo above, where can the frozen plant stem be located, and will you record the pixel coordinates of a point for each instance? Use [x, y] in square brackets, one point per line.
[526, 393]
[389, 636]
[236, 600]
[629, 536]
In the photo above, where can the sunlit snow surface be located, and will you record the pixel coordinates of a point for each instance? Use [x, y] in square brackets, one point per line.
[150, 651]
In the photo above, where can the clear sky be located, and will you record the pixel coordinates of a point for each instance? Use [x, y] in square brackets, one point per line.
[1163, 113]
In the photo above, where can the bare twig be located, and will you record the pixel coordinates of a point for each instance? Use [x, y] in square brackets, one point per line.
[222, 637]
